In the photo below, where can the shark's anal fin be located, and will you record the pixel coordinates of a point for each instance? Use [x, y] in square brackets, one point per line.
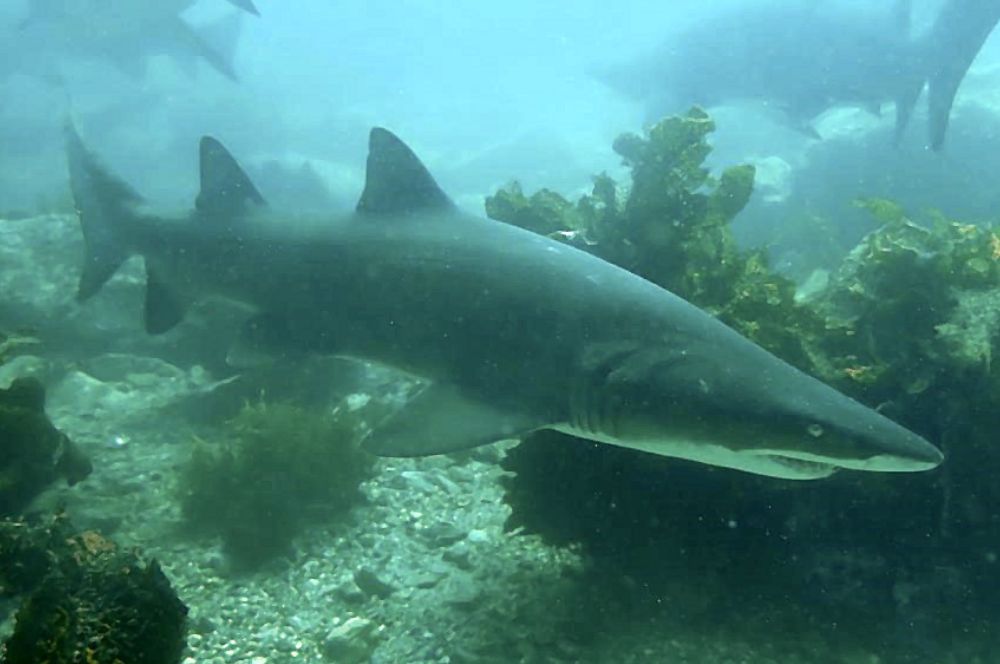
[396, 181]
[226, 190]
[440, 420]
[163, 309]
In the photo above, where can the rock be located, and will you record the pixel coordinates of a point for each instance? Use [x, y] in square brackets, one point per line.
[81, 393]
[371, 585]
[445, 483]
[417, 480]
[462, 591]
[124, 368]
[458, 556]
[23, 366]
[351, 594]
[442, 534]
[478, 536]
[429, 577]
[352, 642]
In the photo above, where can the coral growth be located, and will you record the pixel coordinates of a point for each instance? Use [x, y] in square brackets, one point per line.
[86, 600]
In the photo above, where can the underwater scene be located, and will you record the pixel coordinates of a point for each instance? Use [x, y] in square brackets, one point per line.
[405, 331]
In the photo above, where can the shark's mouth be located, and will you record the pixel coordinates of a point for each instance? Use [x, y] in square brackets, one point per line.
[789, 467]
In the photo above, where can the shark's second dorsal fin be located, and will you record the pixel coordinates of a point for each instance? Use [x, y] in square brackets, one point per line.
[396, 181]
[225, 188]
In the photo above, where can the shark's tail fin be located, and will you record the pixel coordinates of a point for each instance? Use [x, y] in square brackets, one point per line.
[216, 43]
[105, 205]
[907, 95]
[911, 83]
[954, 41]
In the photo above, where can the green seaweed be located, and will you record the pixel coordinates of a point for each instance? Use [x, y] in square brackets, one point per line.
[273, 469]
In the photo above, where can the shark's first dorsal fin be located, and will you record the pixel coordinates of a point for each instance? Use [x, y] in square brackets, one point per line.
[396, 181]
[225, 188]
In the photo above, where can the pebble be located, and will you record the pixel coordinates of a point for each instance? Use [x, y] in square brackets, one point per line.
[370, 584]
[351, 642]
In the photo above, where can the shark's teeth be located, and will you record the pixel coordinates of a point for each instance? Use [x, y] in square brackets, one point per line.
[804, 466]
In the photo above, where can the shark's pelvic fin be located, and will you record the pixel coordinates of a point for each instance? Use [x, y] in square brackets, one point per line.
[226, 190]
[440, 420]
[396, 181]
[105, 204]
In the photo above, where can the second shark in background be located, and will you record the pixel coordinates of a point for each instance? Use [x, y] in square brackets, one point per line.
[123, 33]
[804, 59]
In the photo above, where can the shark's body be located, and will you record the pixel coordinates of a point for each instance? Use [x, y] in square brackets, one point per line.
[514, 331]
[803, 59]
[122, 33]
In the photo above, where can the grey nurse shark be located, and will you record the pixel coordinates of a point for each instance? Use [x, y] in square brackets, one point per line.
[512, 331]
[123, 33]
[802, 58]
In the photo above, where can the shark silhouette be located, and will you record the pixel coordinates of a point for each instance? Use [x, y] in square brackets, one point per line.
[512, 331]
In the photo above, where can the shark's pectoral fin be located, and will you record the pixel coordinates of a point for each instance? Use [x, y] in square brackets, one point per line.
[440, 420]
[163, 308]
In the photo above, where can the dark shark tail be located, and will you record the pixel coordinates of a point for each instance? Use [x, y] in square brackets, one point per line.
[106, 207]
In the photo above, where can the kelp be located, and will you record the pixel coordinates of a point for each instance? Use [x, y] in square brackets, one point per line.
[671, 225]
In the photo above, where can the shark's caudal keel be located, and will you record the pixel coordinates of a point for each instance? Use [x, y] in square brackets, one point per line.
[513, 332]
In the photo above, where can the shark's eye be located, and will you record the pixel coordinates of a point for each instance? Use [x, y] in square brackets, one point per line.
[815, 430]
